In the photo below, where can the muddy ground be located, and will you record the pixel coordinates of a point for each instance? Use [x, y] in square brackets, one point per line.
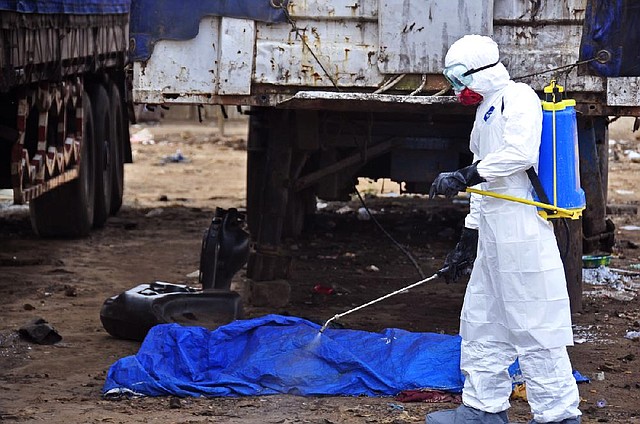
[157, 237]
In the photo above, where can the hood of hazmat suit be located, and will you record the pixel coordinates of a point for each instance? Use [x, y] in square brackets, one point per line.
[517, 296]
[474, 52]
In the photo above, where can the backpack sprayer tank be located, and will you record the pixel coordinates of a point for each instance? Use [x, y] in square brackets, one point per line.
[557, 191]
[558, 166]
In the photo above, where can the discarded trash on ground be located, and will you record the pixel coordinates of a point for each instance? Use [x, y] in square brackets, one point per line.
[632, 335]
[585, 334]
[39, 331]
[428, 396]
[143, 136]
[615, 286]
[131, 314]
[177, 157]
[595, 261]
[322, 289]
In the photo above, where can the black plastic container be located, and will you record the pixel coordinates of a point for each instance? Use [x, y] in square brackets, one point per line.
[225, 249]
[131, 314]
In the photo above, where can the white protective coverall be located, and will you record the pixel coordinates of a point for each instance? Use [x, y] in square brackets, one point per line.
[516, 304]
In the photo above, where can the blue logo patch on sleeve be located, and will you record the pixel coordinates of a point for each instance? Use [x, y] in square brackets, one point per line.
[488, 114]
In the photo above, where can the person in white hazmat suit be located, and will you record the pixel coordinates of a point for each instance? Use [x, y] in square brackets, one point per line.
[516, 303]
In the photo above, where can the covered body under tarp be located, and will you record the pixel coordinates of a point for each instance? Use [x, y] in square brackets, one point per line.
[276, 354]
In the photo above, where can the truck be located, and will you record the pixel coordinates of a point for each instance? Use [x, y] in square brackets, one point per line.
[64, 122]
[334, 90]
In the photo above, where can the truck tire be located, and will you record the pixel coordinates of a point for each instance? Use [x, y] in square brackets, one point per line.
[104, 153]
[119, 132]
[68, 210]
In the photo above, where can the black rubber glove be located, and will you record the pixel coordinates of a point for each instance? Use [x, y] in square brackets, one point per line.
[450, 183]
[460, 261]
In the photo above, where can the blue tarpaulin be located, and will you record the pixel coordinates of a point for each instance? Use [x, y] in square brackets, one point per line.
[611, 33]
[153, 20]
[276, 354]
[76, 7]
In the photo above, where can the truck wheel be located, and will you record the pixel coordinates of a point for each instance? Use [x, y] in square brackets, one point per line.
[104, 153]
[67, 211]
[119, 132]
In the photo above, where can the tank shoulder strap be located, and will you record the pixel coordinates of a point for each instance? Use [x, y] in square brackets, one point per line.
[535, 180]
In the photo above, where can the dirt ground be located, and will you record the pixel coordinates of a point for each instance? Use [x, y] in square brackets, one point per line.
[157, 237]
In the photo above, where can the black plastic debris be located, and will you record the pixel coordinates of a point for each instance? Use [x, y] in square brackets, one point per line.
[131, 314]
[225, 249]
[39, 331]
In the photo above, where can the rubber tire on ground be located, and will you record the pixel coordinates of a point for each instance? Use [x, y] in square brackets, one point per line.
[119, 130]
[68, 210]
[104, 153]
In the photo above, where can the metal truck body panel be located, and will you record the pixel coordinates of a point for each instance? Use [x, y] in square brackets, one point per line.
[339, 89]
[414, 36]
[623, 91]
[217, 61]
[360, 45]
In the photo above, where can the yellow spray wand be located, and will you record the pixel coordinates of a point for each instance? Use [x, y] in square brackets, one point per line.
[558, 212]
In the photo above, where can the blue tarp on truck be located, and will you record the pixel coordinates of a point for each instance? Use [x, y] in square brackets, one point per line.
[612, 34]
[72, 7]
[153, 20]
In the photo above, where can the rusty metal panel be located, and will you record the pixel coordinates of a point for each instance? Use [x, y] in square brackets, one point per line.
[536, 37]
[538, 10]
[178, 68]
[415, 34]
[236, 53]
[358, 45]
[623, 91]
[334, 9]
[219, 60]
[344, 51]
[528, 49]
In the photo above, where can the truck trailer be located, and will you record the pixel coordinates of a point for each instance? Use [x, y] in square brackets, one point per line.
[64, 119]
[335, 90]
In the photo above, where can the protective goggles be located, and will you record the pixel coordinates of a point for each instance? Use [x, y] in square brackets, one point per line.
[459, 76]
